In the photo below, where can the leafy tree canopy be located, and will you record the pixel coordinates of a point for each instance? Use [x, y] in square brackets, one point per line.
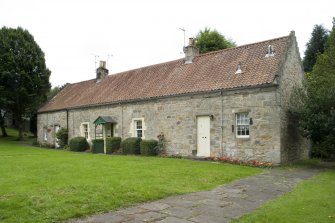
[54, 91]
[208, 41]
[315, 46]
[314, 104]
[24, 76]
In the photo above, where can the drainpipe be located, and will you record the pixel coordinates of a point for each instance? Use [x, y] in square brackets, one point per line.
[67, 124]
[221, 144]
[121, 121]
[104, 136]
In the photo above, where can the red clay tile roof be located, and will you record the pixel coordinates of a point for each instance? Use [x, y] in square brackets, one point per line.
[208, 72]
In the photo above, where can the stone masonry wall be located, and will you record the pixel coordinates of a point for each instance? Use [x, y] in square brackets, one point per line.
[47, 122]
[264, 141]
[293, 145]
[176, 118]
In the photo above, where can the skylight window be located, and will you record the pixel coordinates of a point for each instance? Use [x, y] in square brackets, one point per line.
[270, 51]
[239, 69]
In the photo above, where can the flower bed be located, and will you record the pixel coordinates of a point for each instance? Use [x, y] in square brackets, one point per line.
[254, 163]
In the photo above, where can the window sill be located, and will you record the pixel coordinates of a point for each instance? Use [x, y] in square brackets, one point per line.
[243, 138]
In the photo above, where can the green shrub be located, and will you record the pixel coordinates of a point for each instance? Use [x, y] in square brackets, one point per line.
[79, 144]
[62, 136]
[149, 147]
[113, 144]
[94, 144]
[36, 143]
[131, 145]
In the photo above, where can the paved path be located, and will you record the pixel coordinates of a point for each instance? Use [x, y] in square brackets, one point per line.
[218, 205]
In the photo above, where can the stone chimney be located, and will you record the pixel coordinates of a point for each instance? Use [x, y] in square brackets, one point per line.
[191, 51]
[102, 71]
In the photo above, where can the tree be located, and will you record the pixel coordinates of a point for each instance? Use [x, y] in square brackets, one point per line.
[24, 76]
[2, 122]
[52, 93]
[33, 124]
[316, 45]
[33, 117]
[314, 104]
[208, 40]
[3, 111]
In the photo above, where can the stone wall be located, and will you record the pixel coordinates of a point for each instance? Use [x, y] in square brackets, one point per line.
[46, 122]
[293, 145]
[264, 141]
[176, 118]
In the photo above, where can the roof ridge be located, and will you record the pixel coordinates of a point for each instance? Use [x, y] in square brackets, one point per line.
[147, 66]
[245, 45]
[180, 59]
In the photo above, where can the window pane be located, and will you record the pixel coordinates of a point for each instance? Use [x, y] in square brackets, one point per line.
[242, 124]
[138, 128]
[238, 119]
[139, 133]
[139, 124]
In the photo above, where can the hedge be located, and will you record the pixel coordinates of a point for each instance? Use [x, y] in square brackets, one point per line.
[113, 144]
[131, 145]
[79, 144]
[149, 147]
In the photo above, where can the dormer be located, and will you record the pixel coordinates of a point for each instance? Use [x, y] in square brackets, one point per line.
[239, 69]
[270, 52]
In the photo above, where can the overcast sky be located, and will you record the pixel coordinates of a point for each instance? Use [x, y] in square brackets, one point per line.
[140, 33]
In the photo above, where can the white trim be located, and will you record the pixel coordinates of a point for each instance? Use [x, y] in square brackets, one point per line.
[133, 127]
[245, 124]
[82, 130]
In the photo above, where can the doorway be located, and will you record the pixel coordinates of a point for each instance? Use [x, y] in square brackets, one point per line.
[203, 136]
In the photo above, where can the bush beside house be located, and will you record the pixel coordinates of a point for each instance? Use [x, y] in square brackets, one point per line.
[62, 136]
[79, 144]
[149, 147]
[131, 145]
[113, 144]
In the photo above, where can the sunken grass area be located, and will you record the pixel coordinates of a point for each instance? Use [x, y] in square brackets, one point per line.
[47, 185]
[311, 201]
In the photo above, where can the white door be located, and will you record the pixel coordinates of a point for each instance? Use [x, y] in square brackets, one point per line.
[57, 127]
[203, 136]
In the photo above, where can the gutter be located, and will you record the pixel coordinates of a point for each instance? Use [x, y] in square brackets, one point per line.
[220, 91]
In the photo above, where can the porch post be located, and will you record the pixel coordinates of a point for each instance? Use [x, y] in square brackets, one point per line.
[104, 136]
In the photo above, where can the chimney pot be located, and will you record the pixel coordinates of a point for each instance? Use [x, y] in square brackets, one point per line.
[103, 64]
[191, 41]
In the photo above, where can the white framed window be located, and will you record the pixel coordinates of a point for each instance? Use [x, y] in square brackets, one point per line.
[84, 130]
[242, 125]
[138, 128]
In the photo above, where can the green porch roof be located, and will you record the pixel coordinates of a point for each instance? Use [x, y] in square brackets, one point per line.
[103, 120]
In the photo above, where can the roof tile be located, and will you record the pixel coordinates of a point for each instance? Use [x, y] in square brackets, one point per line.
[208, 72]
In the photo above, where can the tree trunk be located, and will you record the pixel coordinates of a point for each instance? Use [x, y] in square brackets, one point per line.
[20, 124]
[2, 125]
[3, 130]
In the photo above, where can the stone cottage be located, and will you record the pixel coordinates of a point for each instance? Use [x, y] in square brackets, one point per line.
[231, 102]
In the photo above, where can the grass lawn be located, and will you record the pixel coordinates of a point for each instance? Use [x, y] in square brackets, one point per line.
[311, 201]
[45, 185]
